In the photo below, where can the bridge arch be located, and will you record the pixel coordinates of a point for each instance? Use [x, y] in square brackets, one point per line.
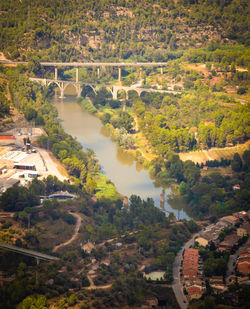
[76, 86]
[87, 88]
[122, 94]
[141, 92]
[58, 84]
[132, 93]
[112, 91]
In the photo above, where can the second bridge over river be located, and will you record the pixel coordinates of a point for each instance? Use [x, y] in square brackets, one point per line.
[114, 89]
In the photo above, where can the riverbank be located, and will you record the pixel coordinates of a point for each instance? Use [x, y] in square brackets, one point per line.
[129, 176]
[140, 151]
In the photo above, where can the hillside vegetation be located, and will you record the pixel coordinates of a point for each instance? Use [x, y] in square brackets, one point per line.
[122, 29]
[206, 46]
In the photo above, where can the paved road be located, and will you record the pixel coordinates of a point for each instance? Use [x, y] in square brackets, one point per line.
[77, 228]
[90, 64]
[176, 285]
[32, 253]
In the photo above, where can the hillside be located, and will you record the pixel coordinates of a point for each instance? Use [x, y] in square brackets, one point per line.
[194, 136]
[119, 29]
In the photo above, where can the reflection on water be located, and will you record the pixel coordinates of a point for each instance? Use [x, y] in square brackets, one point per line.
[139, 167]
[104, 131]
[118, 165]
[124, 157]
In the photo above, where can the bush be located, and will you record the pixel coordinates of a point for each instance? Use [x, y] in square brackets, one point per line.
[242, 90]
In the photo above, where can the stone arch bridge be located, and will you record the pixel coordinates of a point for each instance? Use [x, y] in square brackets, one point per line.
[114, 89]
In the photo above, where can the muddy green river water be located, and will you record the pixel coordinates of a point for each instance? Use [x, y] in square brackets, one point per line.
[120, 167]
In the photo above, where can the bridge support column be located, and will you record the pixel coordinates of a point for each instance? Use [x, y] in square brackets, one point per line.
[161, 70]
[98, 72]
[114, 94]
[62, 93]
[78, 90]
[119, 74]
[37, 263]
[56, 73]
[77, 75]
[140, 73]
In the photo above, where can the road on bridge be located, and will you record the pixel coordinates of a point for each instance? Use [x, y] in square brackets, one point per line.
[90, 64]
[28, 252]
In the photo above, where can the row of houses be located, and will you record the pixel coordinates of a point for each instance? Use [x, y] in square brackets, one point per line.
[239, 226]
[212, 232]
[243, 262]
[192, 274]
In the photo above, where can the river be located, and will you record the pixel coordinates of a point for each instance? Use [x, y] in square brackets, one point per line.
[127, 175]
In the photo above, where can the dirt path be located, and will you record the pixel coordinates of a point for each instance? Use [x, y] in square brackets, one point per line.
[77, 228]
[95, 287]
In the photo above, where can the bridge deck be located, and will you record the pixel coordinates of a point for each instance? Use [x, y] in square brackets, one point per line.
[32, 253]
[126, 88]
[92, 64]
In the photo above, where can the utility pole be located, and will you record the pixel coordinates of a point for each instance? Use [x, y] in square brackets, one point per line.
[37, 263]
[28, 20]
[29, 221]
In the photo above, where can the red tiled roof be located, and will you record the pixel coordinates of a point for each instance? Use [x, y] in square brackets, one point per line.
[191, 251]
[194, 290]
[6, 137]
[190, 263]
[244, 259]
[244, 267]
[244, 254]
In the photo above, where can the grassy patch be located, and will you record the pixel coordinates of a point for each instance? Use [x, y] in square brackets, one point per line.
[105, 188]
[88, 106]
[56, 231]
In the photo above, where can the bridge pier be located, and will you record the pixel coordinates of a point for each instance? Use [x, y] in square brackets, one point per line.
[78, 90]
[161, 70]
[140, 73]
[98, 72]
[77, 75]
[119, 74]
[115, 93]
[62, 93]
[37, 263]
[56, 73]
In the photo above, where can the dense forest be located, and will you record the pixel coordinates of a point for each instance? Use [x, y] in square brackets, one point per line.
[205, 44]
[143, 30]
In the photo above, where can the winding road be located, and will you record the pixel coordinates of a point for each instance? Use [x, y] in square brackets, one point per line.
[77, 228]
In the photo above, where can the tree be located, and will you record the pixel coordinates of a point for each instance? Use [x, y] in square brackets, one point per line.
[33, 302]
[236, 163]
[90, 184]
[4, 106]
[191, 172]
[17, 198]
[215, 267]
[34, 66]
[122, 120]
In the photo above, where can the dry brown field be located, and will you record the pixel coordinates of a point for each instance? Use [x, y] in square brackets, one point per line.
[214, 153]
